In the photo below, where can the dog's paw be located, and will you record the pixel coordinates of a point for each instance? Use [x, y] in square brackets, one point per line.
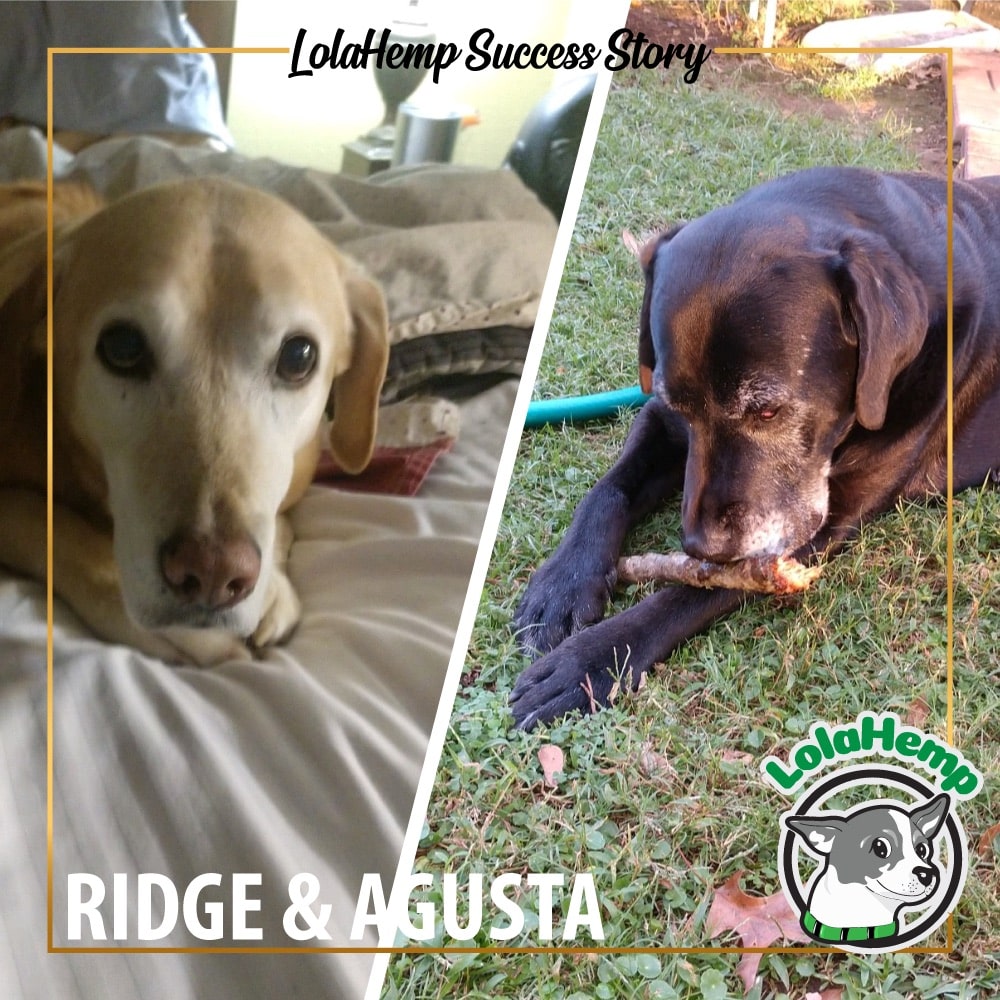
[561, 599]
[282, 611]
[587, 670]
[579, 675]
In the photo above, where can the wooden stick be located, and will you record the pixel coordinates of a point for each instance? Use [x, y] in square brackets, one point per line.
[777, 575]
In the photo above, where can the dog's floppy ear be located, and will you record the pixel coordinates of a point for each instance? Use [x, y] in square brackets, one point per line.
[885, 304]
[355, 393]
[646, 252]
[23, 292]
[23, 299]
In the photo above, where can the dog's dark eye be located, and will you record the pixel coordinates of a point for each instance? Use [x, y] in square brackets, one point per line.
[296, 359]
[123, 350]
[923, 851]
[881, 847]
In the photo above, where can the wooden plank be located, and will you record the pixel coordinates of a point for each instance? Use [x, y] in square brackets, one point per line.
[980, 152]
[976, 90]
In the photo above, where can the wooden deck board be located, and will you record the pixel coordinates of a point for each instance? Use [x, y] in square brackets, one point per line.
[976, 85]
[976, 96]
[980, 152]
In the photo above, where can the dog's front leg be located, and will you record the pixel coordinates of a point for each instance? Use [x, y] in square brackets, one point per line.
[282, 607]
[584, 672]
[86, 578]
[571, 589]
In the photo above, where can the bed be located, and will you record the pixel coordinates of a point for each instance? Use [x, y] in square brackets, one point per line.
[308, 759]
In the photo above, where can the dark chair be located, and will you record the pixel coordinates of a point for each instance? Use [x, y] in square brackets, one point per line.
[544, 152]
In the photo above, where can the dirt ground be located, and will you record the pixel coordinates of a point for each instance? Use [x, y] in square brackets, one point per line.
[918, 98]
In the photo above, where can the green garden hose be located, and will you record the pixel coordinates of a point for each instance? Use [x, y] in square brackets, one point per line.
[575, 409]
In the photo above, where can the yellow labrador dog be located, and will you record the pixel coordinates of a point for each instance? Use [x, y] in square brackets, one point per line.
[200, 331]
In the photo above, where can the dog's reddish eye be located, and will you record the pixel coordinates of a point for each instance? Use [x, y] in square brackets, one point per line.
[296, 359]
[881, 847]
[122, 349]
[768, 413]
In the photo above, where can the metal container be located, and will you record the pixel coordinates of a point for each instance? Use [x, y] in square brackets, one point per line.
[425, 134]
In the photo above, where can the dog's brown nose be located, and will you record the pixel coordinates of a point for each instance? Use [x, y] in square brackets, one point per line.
[210, 572]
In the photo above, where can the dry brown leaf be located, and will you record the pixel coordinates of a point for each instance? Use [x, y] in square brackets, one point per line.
[736, 757]
[759, 921]
[985, 847]
[551, 758]
[918, 713]
[632, 242]
[655, 765]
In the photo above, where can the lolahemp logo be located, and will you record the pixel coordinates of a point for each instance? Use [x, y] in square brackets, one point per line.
[872, 856]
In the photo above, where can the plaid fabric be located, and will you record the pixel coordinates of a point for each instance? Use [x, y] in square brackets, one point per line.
[392, 470]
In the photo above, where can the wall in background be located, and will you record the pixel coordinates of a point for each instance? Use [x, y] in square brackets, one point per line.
[306, 120]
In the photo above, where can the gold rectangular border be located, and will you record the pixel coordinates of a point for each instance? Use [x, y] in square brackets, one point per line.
[947, 56]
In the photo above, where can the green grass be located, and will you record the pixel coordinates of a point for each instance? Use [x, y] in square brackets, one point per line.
[660, 795]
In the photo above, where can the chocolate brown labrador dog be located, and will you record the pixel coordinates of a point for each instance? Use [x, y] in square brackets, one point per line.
[797, 342]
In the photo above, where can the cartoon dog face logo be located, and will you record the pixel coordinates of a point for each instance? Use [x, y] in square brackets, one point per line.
[875, 859]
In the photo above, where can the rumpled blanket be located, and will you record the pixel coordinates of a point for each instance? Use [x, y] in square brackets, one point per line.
[461, 253]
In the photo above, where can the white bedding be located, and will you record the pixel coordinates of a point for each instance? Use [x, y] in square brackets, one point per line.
[306, 761]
